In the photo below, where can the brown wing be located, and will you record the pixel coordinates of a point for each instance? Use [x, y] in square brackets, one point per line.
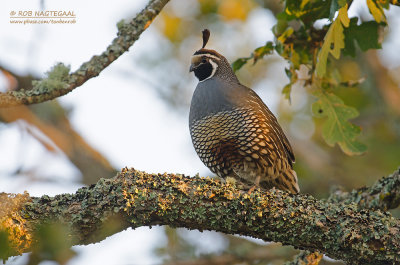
[281, 135]
[253, 101]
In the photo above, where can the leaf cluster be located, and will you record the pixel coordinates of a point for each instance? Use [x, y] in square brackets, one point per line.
[300, 42]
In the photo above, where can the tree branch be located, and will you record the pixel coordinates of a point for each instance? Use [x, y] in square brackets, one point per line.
[139, 199]
[59, 82]
[383, 195]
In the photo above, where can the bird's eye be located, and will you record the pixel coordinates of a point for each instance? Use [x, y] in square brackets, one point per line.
[204, 60]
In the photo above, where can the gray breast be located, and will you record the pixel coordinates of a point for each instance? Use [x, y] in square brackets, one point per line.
[212, 96]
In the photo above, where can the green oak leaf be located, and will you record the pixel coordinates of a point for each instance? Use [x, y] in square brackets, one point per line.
[337, 128]
[260, 52]
[366, 35]
[307, 10]
[236, 65]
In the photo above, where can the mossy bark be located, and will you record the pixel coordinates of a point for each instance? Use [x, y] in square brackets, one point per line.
[383, 195]
[59, 83]
[134, 199]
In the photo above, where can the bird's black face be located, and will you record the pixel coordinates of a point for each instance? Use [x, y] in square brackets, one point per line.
[203, 66]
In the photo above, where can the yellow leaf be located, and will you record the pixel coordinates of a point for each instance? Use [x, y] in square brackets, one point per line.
[343, 16]
[338, 39]
[235, 9]
[171, 26]
[296, 13]
[282, 38]
[333, 41]
[376, 11]
[304, 3]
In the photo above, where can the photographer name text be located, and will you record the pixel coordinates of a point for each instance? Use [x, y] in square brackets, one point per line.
[43, 14]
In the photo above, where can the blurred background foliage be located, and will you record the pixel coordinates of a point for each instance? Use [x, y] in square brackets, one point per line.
[236, 31]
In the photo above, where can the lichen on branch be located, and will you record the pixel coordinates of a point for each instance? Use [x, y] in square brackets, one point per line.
[51, 87]
[384, 194]
[14, 236]
[135, 199]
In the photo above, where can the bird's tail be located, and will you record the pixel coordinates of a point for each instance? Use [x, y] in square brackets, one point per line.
[289, 181]
[286, 181]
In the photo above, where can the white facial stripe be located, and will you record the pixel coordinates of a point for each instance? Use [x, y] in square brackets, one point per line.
[215, 66]
[206, 55]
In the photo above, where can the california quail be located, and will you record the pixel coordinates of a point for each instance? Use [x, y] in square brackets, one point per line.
[233, 131]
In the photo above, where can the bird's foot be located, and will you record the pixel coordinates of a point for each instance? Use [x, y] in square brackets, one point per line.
[256, 185]
[253, 188]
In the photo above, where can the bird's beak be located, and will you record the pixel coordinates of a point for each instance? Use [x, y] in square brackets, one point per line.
[192, 67]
